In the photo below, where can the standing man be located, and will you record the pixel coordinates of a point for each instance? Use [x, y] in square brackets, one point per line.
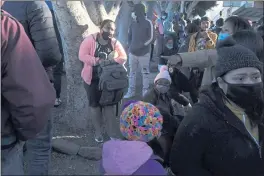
[201, 40]
[36, 19]
[140, 37]
[204, 39]
[27, 95]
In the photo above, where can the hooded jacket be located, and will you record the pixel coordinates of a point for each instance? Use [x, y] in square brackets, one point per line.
[87, 51]
[212, 141]
[27, 95]
[141, 33]
[129, 158]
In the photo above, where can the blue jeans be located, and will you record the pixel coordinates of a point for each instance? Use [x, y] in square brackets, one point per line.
[12, 160]
[37, 155]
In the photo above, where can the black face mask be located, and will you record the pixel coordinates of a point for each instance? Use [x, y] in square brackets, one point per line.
[250, 97]
[106, 35]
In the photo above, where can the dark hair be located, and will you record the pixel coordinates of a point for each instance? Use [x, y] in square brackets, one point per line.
[164, 13]
[220, 22]
[105, 22]
[205, 19]
[197, 21]
[239, 23]
[192, 28]
[251, 40]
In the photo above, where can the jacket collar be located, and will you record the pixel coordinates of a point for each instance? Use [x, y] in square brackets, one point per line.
[210, 97]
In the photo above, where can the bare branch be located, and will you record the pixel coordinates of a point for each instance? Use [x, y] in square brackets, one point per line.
[93, 12]
[114, 10]
[101, 10]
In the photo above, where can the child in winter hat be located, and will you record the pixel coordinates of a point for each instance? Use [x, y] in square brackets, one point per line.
[160, 97]
[163, 74]
[140, 123]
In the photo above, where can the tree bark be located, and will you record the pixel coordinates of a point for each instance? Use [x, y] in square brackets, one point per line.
[150, 6]
[123, 22]
[98, 13]
[73, 23]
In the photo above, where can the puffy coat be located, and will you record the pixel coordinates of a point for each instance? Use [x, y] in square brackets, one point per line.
[27, 95]
[212, 141]
[37, 21]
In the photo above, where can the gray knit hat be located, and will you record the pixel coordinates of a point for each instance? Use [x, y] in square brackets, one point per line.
[233, 56]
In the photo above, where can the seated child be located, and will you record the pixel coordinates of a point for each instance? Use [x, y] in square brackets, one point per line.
[159, 96]
[140, 124]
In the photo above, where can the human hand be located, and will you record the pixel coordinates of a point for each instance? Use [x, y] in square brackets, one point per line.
[205, 35]
[187, 108]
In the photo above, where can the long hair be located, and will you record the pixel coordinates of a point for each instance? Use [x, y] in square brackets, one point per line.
[239, 23]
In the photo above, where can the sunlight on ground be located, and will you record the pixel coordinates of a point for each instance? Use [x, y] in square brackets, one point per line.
[63, 137]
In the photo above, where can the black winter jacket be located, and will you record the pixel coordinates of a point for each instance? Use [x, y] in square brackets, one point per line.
[37, 21]
[163, 103]
[212, 141]
[180, 83]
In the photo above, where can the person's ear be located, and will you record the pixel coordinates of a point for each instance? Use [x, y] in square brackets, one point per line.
[222, 84]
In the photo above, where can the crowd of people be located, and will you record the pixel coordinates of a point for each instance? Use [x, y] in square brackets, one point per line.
[204, 114]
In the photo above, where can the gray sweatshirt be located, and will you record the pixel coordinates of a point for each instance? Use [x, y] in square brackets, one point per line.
[140, 35]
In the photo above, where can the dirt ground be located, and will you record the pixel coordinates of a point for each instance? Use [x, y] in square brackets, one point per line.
[62, 164]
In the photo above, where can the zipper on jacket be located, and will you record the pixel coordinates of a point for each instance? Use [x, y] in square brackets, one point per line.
[258, 146]
[254, 139]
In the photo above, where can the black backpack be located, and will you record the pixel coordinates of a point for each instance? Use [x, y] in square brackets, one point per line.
[113, 83]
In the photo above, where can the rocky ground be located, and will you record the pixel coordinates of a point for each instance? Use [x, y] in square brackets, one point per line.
[76, 165]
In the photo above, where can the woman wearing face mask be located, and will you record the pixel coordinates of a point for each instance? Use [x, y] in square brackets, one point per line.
[232, 25]
[207, 58]
[223, 134]
[94, 50]
[159, 97]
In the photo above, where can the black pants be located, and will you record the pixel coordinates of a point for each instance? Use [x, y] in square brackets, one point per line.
[152, 51]
[58, 70]
[57, 73]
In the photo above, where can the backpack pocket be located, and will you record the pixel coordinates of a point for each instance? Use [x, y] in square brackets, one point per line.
[112, 92]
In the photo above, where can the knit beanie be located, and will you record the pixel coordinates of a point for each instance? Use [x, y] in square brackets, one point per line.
[163, 74]
[141, 121]
[233, 56]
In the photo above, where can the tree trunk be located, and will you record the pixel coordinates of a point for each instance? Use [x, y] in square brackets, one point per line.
[150, 6]
[123, 22]
[75, 24]
[98, 13]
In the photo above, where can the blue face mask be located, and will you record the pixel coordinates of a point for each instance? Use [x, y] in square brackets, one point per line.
[223, 36]
[169, 46]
